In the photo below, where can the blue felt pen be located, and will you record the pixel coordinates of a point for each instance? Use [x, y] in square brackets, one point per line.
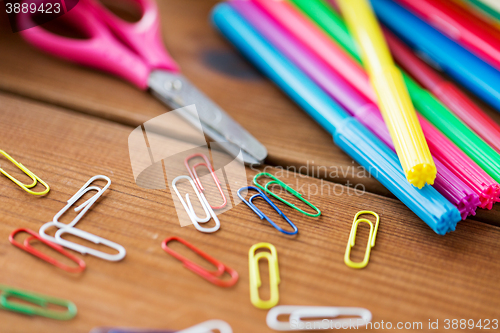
[462, 65]
[357, 141]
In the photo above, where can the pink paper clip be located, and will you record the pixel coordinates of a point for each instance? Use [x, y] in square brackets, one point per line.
[194, 175]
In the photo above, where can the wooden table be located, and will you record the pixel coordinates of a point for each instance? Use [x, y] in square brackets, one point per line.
[67, 123]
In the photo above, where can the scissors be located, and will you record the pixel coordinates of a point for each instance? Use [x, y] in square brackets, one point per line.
[134, 51]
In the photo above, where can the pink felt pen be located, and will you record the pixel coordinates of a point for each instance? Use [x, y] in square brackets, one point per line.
[451, 95]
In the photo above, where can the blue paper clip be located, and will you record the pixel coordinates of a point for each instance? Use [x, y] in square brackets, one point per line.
[262, 215]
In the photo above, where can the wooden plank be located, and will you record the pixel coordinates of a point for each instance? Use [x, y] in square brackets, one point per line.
[414, 275]
[213, 66]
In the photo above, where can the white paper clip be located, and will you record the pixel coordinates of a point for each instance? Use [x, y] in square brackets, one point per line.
[209, 327]
[189, 207]
[70, 229]
[84, 207]
[80, 248]
[297, 313]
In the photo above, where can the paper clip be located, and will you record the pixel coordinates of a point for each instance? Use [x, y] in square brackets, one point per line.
[287, 188]
[84, 207]
[86, 236]
[30, 174]
[262, 216]
[211, 276]
[128, 330]
[352, 239]
[194, 176]
[189, 207]
[40, 300]
[255, 281]
[69, 228]
[297, 313]
[208, 327]
[205, 327]
[28, 248]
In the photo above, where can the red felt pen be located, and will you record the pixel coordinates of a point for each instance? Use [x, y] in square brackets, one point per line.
[458, 24]
[452, 96]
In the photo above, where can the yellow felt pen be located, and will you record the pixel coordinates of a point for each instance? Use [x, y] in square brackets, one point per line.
[393, 98]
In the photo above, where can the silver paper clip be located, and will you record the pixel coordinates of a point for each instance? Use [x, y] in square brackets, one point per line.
[80, 248]
[70, 229]
[295, 323]
[189, 207]
[83, 208]
[209, 327]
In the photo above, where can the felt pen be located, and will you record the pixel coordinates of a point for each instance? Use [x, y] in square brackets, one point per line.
[454, 159]
[459, 25]
[347, 132]
[365, 111]
[462, 65]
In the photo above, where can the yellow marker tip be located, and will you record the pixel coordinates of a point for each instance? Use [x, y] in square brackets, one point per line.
[421, 174]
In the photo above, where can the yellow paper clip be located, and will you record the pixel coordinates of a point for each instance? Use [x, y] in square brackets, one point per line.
[352, 239]
[274, 275]
[26, 171]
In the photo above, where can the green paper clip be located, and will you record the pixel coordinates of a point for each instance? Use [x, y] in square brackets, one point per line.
[287, 188]
[40, 300]
[30, 174]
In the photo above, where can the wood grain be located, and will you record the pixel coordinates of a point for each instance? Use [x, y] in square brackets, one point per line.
[414, 275]
[67, 123]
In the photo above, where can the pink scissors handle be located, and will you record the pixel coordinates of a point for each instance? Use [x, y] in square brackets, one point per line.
[128, 50]
[144, 36]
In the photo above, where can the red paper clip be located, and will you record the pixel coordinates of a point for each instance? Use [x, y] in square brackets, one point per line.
[211, 276]
[194, 175]
[28, 248]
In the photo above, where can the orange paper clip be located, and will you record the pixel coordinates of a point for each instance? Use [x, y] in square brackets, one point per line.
[28, 248]
[194, 175]
[211, 276]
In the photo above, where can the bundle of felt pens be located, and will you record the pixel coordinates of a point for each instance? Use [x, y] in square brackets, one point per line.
[375, 74]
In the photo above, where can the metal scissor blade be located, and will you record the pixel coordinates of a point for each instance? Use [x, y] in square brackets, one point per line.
[176, 91]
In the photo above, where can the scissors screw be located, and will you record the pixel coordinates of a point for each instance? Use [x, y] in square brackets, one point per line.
[173, 85]
[177, 85]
